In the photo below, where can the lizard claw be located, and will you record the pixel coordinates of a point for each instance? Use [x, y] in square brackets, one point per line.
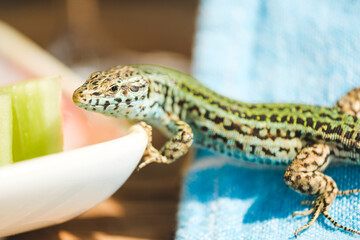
[152, 155]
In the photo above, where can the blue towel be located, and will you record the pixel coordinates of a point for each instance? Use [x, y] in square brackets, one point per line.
[296, 51]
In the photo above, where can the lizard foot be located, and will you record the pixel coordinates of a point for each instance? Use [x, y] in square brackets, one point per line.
[320, 207]
[151, 154]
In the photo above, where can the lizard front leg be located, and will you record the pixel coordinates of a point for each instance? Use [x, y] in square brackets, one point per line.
[305, 176]
[173, 149]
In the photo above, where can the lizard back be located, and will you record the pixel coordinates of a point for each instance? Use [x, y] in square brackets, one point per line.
[269, 133]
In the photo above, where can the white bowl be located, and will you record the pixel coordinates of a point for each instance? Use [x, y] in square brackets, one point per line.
[52, 189]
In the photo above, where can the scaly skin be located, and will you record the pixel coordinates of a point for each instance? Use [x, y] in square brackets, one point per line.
[304, 138]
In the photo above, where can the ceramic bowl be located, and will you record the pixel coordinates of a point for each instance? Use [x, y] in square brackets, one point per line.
[52, 189]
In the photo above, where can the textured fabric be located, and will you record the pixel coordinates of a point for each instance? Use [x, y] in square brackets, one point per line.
[275, 51]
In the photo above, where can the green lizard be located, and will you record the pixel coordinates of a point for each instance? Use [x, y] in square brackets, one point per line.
[304, 138]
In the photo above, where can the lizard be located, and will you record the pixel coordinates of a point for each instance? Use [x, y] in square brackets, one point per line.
[303, 138]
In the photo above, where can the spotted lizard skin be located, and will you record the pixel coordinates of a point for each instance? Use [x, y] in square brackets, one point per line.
[302, 137]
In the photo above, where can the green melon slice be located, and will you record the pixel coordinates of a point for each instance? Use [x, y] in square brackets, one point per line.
[37, 121]
[5, 129]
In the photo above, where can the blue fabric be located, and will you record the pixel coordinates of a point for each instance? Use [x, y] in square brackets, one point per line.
[260, 51]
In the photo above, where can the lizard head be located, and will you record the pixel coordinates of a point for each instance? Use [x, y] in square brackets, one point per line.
[120, 91]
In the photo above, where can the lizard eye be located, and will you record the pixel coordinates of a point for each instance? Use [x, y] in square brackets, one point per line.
[134, 88]
[114, 88]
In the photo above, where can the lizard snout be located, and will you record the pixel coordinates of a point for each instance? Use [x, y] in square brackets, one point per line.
[78, 97]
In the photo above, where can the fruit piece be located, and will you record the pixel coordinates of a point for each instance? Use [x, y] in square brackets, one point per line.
[36, 118]
[5, 129]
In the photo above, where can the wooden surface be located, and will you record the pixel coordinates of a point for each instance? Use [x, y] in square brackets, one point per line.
[145, 207]
[139, 25]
